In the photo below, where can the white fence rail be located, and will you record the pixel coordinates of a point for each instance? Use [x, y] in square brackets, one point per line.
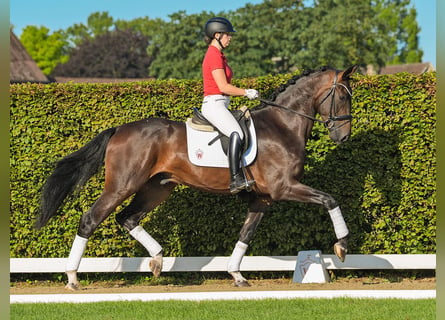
[205, 264]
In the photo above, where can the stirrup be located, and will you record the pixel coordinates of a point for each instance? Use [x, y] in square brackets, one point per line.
[235, 187]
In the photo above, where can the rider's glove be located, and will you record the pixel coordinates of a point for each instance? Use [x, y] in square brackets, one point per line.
[251, 94]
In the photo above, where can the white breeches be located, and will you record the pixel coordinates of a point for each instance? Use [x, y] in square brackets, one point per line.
[215, 109]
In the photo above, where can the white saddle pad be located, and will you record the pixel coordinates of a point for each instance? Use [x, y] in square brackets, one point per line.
[201, 154]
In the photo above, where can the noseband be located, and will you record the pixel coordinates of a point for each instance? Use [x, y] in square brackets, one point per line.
[329, 123]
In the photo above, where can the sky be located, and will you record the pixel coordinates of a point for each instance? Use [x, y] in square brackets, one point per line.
[57, 14]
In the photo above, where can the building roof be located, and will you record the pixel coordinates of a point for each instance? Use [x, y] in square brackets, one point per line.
[22, 67]
[416, 68]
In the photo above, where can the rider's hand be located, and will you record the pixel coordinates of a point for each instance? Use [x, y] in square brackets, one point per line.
[251, 94]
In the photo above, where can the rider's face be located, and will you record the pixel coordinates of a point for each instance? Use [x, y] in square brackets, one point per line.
[225, 38]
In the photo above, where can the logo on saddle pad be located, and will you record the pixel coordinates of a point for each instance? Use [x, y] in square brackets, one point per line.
[200, 153]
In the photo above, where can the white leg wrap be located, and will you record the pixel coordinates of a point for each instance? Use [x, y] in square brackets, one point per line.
[341, 230]
[77, 250]
[152, 246]
[236, 257]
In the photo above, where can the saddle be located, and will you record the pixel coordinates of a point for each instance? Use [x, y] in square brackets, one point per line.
[242, 116]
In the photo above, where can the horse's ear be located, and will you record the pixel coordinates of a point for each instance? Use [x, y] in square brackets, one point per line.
[348, 72]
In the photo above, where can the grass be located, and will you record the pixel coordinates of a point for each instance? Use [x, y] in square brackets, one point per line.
[302, 309]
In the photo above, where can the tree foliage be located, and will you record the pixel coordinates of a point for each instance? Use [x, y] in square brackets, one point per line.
[179, 47]
[407, 35]
[145, 26]
[275, 36]
[284, 35]
[117, 54]
[341, 33]
[266, 32]
[47, 50]
[98, 23]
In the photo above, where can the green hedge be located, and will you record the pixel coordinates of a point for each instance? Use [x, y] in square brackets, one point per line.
[383, 178]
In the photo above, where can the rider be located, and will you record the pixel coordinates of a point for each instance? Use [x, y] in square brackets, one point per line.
[217, 76]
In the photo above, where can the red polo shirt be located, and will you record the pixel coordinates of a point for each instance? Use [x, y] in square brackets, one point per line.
[214, 59]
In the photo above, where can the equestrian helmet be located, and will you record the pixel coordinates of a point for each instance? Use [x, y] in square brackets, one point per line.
[217, 24]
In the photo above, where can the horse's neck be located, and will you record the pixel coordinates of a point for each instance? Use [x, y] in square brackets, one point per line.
[300, 98]
[288, 123]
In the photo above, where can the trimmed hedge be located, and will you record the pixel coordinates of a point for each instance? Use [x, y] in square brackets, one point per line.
[383, 178]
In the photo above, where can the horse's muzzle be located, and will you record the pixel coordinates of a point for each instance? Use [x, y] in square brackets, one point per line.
[344, 139]
[339, 137]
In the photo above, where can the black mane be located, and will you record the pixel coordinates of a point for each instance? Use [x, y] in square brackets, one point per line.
[292, 81]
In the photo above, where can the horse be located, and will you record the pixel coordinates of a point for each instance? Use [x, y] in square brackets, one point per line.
[148, 158]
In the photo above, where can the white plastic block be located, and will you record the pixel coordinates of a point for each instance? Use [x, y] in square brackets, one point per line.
[310, 268]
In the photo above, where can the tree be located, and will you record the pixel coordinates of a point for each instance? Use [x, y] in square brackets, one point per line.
[359, 32]
[179, 47]
[47, 50]
[116, 54]
[407, 38]
[145, 26]
[273, 36]
[267, 37]
[263, 32]
[98, 23]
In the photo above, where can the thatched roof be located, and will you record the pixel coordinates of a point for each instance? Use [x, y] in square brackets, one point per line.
[22, 67]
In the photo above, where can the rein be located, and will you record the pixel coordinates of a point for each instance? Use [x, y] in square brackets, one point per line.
[290, 110]
[332, 118]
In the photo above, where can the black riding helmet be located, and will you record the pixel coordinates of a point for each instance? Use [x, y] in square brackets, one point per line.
[217, 24]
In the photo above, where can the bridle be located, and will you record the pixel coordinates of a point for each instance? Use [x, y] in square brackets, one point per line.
[329, 123]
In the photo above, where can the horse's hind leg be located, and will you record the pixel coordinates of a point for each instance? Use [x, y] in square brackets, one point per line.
[101, 209]
[254, 216]
[146, 199]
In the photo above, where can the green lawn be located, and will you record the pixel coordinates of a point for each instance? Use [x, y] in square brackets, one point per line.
[301, 309]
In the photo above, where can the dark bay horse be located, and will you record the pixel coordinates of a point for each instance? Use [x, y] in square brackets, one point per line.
[148, 158]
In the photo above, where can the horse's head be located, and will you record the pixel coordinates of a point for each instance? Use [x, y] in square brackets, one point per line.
[333, 103]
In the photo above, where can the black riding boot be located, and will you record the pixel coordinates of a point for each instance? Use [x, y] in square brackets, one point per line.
[238, 181]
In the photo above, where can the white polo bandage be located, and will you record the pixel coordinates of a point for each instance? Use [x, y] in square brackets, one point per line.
[152, 246]
[236, 257]
[341, 230]
[77, 250]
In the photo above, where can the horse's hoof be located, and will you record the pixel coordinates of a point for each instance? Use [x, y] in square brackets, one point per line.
[72, 286]
[155, 265]
[241, 284]
[340, 251]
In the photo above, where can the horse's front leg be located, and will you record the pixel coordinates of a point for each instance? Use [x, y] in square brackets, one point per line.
[246, 235]
[340, 228]
[341, 231]
[303, 193]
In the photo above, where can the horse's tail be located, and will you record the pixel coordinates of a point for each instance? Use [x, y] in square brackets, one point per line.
[72, 172]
